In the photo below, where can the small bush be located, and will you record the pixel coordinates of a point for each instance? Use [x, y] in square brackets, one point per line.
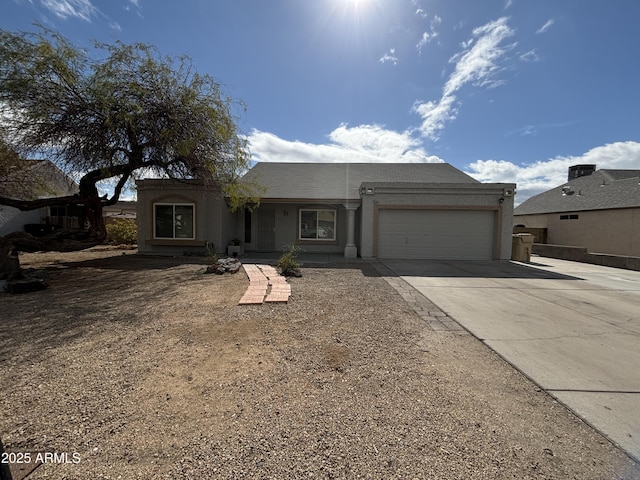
[122, 232]
[288, 263]
[211, 253]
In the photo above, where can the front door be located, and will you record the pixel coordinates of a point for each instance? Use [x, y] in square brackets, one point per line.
[266, 229]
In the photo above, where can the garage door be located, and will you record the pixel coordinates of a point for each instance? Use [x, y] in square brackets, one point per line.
[436, 234]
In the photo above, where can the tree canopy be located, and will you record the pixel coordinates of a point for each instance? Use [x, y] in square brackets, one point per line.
[114, 112]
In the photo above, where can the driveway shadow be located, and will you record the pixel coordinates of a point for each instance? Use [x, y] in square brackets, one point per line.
[472, 269]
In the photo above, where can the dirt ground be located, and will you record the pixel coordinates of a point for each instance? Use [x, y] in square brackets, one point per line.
[132, 367]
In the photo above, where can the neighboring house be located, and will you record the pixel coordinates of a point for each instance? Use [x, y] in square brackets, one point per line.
[122, 210]
[599, 210]
[39, 179]
[420, 210]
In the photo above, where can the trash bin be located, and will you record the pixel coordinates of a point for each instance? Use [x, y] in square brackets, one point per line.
[521, 247]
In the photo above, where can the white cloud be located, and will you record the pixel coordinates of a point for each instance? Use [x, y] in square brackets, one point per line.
[363, 143]
[508, 4]
[546, 26]
[530, 56]
[134, 5]
[544, 175]
[477, 64]
[421, 13]
[390, 56]
[430, 35]
[426, 38]
[82, 9]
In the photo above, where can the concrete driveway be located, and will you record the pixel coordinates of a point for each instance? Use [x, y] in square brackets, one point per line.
[573, 328]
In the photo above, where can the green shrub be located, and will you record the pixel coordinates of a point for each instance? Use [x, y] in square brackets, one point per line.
[288, 263]
[123, 231]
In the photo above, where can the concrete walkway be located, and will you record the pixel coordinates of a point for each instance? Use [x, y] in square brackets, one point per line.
[573, 328]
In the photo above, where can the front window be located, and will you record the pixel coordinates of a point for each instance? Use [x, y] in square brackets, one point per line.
[174, 221]
[318, 225]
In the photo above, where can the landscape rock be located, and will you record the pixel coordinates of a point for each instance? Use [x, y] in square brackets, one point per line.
[224, 265]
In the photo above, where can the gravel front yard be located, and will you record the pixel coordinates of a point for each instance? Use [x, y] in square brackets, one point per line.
[145, 368]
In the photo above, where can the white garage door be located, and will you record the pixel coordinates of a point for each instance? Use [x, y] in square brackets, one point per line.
[436, 234]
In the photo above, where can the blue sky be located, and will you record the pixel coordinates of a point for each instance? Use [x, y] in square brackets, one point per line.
[505, 90]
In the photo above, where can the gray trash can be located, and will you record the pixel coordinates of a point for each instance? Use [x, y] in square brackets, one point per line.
[521, 247]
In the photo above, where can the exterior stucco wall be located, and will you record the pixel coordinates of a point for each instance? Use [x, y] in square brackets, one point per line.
[286, 227]
[614, 232]
[531, 221]
[14, 220]
[439, 196]
[214, 224]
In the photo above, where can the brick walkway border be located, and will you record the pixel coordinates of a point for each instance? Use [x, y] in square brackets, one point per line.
[438, 320]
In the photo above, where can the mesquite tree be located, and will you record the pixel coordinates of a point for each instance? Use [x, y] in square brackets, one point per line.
[112, 112]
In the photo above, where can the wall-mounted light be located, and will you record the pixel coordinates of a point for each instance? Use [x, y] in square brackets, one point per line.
[508, 192]
[501, 200]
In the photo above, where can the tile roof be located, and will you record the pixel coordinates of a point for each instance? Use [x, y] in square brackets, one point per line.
[319, 181]
[602, 190]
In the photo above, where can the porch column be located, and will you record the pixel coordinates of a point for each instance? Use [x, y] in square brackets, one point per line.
[350, 250]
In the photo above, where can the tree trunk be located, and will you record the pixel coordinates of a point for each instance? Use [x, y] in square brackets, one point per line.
[9, 261]
[64, 241]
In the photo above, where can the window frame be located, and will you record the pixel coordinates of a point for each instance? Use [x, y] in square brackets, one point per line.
[317, 239]
[173, 221]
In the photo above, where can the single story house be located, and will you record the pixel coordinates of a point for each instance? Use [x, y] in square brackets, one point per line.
[38, 179]
[596, 209]
[385, 210]
[121, 210]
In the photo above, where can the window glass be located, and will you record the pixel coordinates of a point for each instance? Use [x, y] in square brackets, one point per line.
[184, 221]
[326, 223]
[308, 224]
[317, 224]
[174, 221]
[247, 225]
[164, 221]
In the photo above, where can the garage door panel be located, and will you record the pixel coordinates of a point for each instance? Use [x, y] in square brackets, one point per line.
[436, 234]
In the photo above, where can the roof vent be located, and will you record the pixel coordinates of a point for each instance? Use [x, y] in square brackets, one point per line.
[576, 171]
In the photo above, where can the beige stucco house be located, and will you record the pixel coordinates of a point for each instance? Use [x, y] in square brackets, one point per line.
[354, 209]
[599, 210]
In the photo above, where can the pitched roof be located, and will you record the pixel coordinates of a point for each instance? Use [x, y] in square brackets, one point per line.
[34, 179]
[602, 190]
[319, 181]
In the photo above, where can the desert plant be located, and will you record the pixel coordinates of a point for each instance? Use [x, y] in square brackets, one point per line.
[123, 231]
[212, 255]
[288, 263]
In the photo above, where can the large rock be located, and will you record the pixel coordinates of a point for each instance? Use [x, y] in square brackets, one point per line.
[224, 265]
